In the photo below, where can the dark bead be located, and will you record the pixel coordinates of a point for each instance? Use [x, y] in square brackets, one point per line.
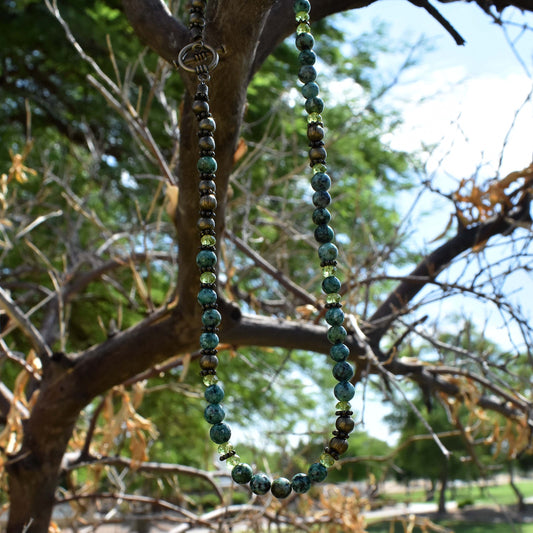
[211, 317]
[260, 484]
[205, 223]
[344, 391]
[207, 186]
[318, 153]
[309, 90]
[206, 258]
[214, 394]
[207, 297]
[331, 284]
[343, 371]
[207, 124]
[315, 132]
[301, 483]
[307, 73]
[345, 424]
[207, 165]
[209, 341]
[321, 216]
[196, 33]
[208, 362]
[220, 433]
[317, 472]
[200, 4]
[302, 5]
[208, 202]
[320, 181]
[281, 487]
[338, 445]
[334, 316]
[324, 233]
[200, 106]
[328, 251]
[214, 414]
[242, 473]
[207, 142]
[336, 334]
[304, 41]
[202, 90]
[307, 57]
[339, 352]
[321, 198]
[314, 105]
[196, 18]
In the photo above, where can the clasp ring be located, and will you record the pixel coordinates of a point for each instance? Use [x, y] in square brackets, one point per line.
[198, 57]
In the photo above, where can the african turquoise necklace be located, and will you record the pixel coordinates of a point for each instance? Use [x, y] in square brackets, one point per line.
[200, 58]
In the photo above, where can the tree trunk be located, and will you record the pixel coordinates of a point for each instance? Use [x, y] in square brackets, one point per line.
[521, 504]
[443, 487]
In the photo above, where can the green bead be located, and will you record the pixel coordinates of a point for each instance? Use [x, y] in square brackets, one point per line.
[208, 240]
[327, 460]
[207, 165]
[207, 296]
[343, 371]
[208, 278]
[301, 483]
[344, 391]
[339, 352]
[335, 316]
[304, 41]
[336, 334]
[320, 181]
[206, 258]
[314, 105]
[220, 433]
[214, 413]
[260, 484]
[319, 167]
[242, 473]
[317, 472]
[328, 270]
[234, 460]
[343, 406]
[324, 233]
[211, 317]
[321, 198]
[328, 252]
[310, 90]
[307, 57]
[209, 341]
[302, 16]
[321, 216]
[303, 27]
[210, 379]
[214, 394]
[331, 284]
[281, 488]
[307, 73]
[333, 298]
[314, 117]
[302, 5]
[225, 448]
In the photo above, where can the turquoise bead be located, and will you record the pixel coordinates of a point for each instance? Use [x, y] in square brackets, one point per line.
[344, 391]
[324, 233]
[307, 57]
[339, 352]
[302, 5]
[336, 334]
[207, 165]
[307, 73]
[320, 181]
[321, 216]
[331, 284]
[206, 258]
[310, 90]
[304, 41]
[343, 371]
[242, 473]
[220, 433]
[335, 316]
[207, 297]
[214, 394]
[211, 317]
[314, 105]
[214, 413]
[209, 341]
[328, 252]
[281, 488]
[321, 198]
[301, 483]
[260, 484]
[317, 472]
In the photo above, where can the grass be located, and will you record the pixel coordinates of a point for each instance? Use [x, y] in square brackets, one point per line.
[465, 527]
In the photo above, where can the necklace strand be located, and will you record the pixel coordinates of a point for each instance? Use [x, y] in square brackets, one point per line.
[199, 58]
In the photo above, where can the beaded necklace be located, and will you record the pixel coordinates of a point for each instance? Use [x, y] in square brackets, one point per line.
[200, 58]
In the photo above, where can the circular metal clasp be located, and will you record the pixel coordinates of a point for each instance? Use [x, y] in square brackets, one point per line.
[198, 57]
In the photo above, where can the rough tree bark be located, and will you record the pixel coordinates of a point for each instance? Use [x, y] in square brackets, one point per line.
[246, 32]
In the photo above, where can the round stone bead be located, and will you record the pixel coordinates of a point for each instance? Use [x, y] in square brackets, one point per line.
[338, 445]
[317, 472]
[207, 165]
[336, 334]
[339, 352]
[207, 297]
[208, 278]
[301, 483]
[343, 371]
[307, 57]
[207, 143]
[214, 414]
[321, 216]
[211, 317]
[307, 73]
[335, 316]
[314, 105]
[207, 124]
[331, 284]
[208, 362]
[200, 106]
[321, 198]
[206, 258]
[328, 252]
[302, 5]
[304, 41]
[281, 487]
[315, 132]
[209, 341]
[317, 153]
[207, 186]
[320, 181]
[345, 424]
[310, 90]
[206, 223]
[344, 391]
[324, 233]
[220, 433]
[208, 202]
[242, 473]
[260, 484]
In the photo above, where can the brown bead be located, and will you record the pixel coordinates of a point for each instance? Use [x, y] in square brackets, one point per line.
[206, 143]
[207, 186]
[198, 3]
[338, 445]
[317, 153]
[208, 362]
[315, 132]
[345, 424]
[208, 202]
[200, 106]
[205, 223]
[207, 124]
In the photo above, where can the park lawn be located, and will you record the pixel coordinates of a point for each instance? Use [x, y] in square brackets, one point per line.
[465, 527]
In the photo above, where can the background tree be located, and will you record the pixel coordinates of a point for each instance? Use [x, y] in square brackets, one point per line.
[98, 276]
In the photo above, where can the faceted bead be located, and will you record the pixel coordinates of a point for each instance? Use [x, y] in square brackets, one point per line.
[208, 202]
[207, 143]
[331, 284]
[260, 484]
[208, 278]
[242, 473]
[206, 258]
[320, 181]
[214, 413]
[209, 380]
[302, 16]
[315, 132]
[317, 153]
[211, 317]
[343, 371]
[208, 362]
[307, 73]
[327, 460]
[214, 394]
[281, 487]
[220, 433]
[207, 124]
[317, 472]
[303, 27]
[207, 186]
[338, 445]
[207, 165]
[208, 240]
[225, 448]
[304, 41]
[319, 167]
[339, 352]
[328, 252]
[200, 106]
[302, 5]
[314, 105]
[343, 406]
[345, 423]
[205, 223]
[324, 233]
[309, 90]
[328, 270]
[207, 297]
[307, 57]
[314, 117]
[321, 198]
[321, 216]
[344, 391]
[234, 460]
[209, 341]
[301, 483]
[335, 316]
[333, 298]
